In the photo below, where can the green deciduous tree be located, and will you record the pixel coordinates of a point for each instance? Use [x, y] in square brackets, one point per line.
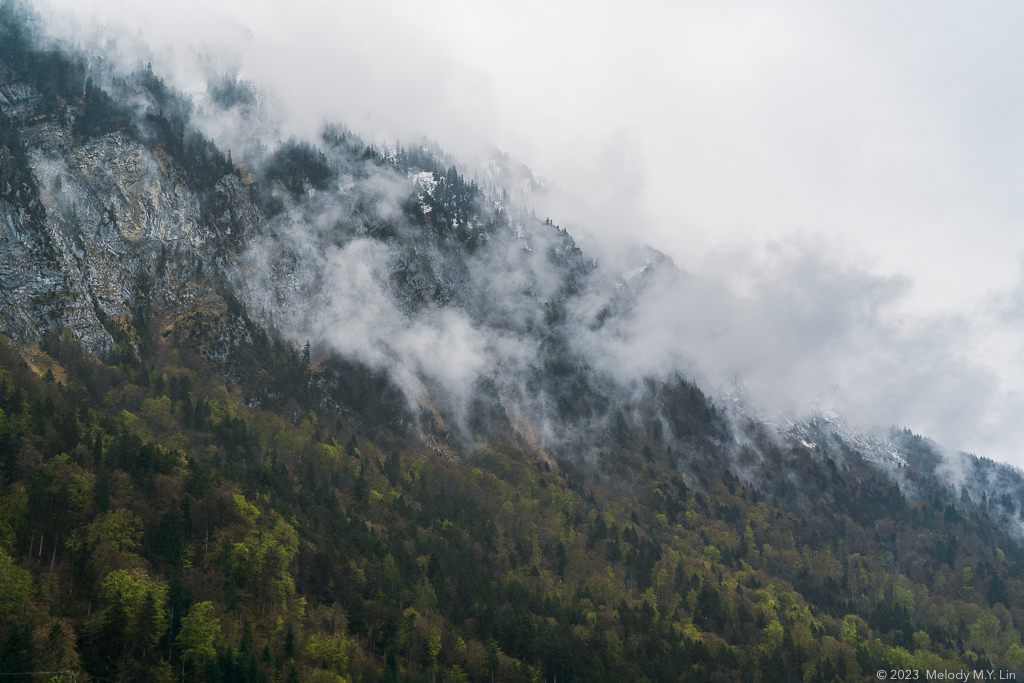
[332, 649]
[199, 631]
[15, 584]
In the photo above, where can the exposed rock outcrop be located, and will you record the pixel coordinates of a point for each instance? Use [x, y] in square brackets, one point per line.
[115, 212]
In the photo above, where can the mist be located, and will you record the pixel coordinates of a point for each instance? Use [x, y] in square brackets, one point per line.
[837, 186]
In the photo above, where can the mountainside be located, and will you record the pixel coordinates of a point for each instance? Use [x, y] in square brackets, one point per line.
[337, 412]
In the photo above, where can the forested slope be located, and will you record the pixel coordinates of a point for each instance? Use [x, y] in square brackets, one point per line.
[154, 524]
[189, 491]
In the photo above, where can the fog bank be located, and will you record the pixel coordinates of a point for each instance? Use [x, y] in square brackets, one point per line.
[839, 184]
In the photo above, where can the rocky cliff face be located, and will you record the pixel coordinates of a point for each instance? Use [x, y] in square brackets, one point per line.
[107, 221]
[112, 232]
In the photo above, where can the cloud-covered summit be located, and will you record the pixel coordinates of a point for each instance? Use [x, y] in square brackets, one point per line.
[835, 182]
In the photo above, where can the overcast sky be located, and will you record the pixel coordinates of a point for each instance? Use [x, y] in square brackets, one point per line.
[752, 142]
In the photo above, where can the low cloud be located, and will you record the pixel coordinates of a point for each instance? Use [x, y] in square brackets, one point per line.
[896, 304]
[798, 327]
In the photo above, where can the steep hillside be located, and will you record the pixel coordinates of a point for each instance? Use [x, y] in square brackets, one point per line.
[336, 412]
[154, 524]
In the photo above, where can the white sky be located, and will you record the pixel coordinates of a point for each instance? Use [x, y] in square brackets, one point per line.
[887, 134]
